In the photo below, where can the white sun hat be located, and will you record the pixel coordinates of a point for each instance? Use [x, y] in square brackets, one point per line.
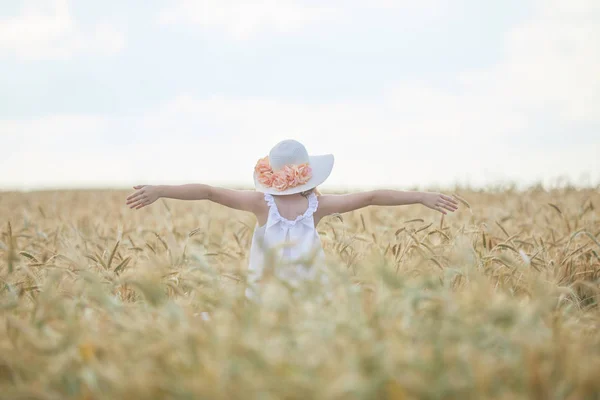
[293, 154]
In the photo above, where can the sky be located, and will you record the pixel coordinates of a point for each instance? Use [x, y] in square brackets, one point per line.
[403, 93]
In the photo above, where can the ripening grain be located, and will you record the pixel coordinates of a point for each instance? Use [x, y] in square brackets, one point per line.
[499, 300]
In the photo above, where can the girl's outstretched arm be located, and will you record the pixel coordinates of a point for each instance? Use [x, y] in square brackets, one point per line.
[331, 204]
[245, 200]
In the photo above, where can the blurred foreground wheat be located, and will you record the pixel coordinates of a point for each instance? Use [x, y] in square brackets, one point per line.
[499, 301]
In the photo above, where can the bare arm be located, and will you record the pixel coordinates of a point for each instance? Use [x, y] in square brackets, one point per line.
[331, 204]
[245, 200]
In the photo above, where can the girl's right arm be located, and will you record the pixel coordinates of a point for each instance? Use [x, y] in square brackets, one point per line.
[245, 200]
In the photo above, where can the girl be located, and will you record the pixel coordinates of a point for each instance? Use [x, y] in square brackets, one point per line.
[288, 206]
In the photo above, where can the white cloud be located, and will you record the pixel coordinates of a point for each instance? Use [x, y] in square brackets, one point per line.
[243, 19]
[62, 150]
[412, 136]
[46, 29]
[551, 64]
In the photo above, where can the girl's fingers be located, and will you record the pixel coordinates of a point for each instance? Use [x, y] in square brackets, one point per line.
[449, 208]
[134, 200]
[138, 187]
[443, 199]
[449, 205]
[140, 202]
[136, 203]
[441, 205]
[450, 199]
[446, 199]
[137, 195]
[134, 196]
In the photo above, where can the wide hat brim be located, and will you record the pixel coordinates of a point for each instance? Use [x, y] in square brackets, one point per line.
[321, 167]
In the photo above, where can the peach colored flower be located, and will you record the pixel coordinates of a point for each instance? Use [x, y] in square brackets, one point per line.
[279, 182]
[263, 166]
[264, 171]
[288, 177]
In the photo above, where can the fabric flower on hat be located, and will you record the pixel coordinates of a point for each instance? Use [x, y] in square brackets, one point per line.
[288, 177]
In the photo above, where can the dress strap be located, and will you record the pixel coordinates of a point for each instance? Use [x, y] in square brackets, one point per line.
[270, 200]
[313, 203]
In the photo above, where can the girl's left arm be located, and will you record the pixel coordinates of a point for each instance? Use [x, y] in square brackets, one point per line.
[330, 204]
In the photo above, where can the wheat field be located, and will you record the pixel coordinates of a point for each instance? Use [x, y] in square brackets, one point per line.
[498, 300]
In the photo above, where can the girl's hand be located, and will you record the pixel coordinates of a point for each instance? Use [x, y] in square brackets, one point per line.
[144, 196]
[439, 202]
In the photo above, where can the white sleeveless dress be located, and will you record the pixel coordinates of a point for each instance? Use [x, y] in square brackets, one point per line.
[285, 243]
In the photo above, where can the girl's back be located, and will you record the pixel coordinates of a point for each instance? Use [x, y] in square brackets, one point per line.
[292, 206]
[288, 240]
[289, 207]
